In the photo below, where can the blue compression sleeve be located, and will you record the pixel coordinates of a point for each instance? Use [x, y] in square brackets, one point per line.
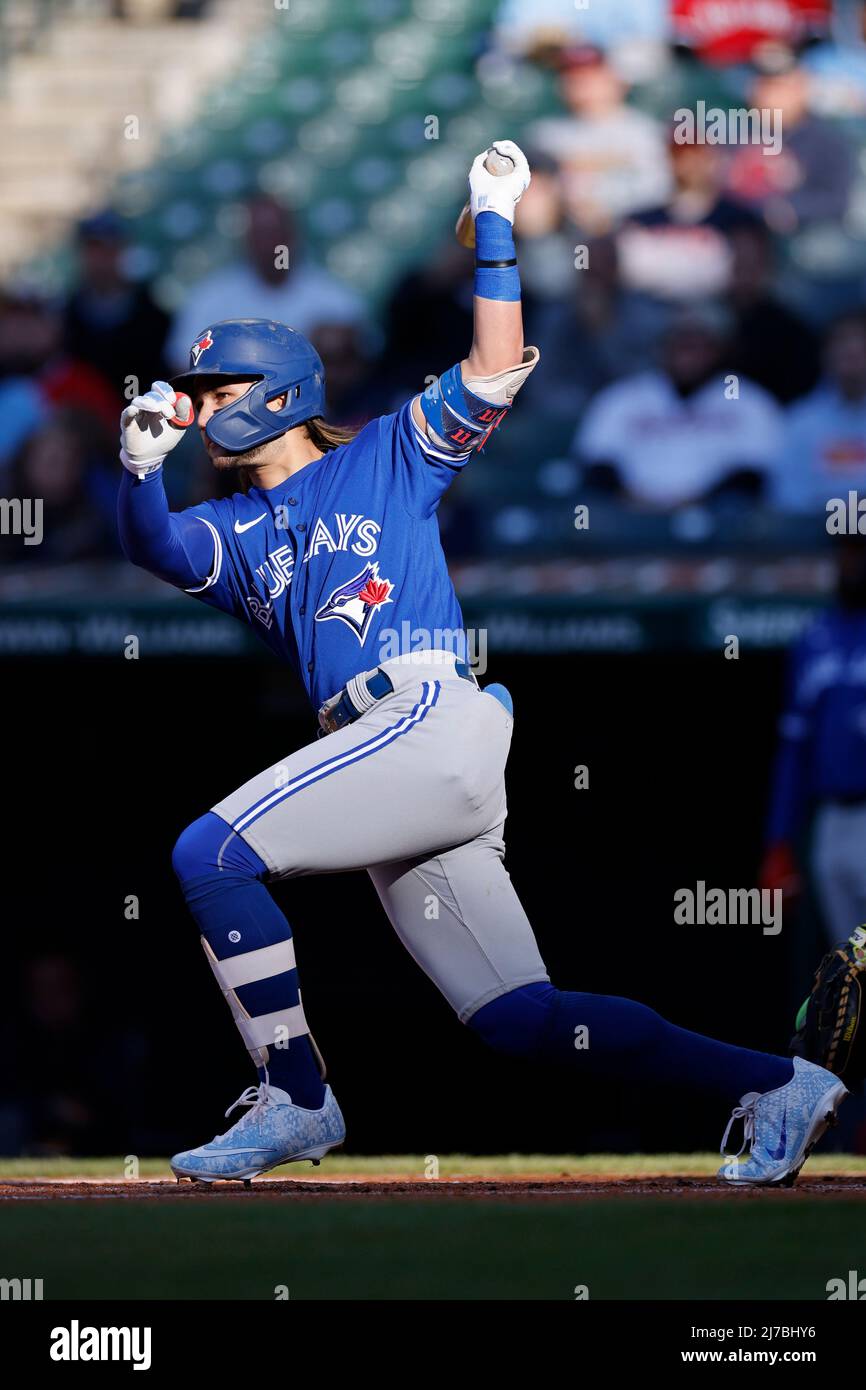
[624, 1040]
[179, 549]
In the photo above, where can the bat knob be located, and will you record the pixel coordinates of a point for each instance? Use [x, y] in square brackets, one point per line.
[184, 413]
[498, 164]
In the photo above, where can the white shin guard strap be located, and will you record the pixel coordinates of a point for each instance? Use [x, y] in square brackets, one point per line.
[262, 964]
[268, 1030]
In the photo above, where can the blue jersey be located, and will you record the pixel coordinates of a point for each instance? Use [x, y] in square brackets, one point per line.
[340, 567]
[823, 746]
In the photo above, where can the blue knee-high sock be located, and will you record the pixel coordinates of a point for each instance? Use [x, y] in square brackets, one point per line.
[624, 1040]
[221, 879]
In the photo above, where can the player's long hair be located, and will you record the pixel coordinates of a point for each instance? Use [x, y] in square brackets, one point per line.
[322, 435]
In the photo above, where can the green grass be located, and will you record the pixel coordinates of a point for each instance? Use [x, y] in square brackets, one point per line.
[235, 1248]
[228, 1245]
[450, 1165]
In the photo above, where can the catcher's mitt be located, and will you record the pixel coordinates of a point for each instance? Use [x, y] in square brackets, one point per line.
[829, 1025]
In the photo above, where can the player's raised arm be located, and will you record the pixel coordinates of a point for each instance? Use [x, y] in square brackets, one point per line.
[497, 342]
[179, 549]
[470, 400]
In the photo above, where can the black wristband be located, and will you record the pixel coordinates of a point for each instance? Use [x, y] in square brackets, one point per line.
[495, 265]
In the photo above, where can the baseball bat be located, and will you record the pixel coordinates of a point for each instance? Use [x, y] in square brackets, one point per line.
[497, 164]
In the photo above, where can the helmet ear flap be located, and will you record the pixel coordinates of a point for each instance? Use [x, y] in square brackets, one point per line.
[248, 421]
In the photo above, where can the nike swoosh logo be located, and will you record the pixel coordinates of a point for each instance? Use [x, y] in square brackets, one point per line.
[779, 1152]
[247, 1149]
[241, 526]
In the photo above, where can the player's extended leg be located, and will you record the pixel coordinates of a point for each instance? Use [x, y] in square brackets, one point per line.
[459, 916]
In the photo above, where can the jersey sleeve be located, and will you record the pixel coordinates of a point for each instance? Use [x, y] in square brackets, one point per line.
[217, 588]
[422, 468]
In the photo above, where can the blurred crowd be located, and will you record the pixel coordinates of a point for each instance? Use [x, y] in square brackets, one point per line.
[694, 367]
[687, 357]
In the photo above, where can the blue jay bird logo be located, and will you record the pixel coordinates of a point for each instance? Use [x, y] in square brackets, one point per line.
[358, 600]
[201, 345]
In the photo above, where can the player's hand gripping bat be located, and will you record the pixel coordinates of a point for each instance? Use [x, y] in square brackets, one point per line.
[496, 164]
[498, 180]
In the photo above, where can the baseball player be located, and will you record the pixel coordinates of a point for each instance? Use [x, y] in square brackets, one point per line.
[329, 552]
[820, 770]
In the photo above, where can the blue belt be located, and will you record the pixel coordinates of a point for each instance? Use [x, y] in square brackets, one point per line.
[343, 710]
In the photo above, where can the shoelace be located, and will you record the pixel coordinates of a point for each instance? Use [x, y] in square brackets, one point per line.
[256, 1097]
[745, 1111]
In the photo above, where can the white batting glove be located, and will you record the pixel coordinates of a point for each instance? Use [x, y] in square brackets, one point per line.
[491, 193]
[146, 436]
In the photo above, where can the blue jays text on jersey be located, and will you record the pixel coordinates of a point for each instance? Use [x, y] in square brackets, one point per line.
[343, 552]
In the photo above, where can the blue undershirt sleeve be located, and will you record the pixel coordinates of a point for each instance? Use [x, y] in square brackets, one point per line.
[178, 548]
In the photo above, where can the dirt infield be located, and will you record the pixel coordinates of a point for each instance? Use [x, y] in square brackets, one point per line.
[470, 1188]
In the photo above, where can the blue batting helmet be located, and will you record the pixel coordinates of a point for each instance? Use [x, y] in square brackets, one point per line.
[280, 360]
